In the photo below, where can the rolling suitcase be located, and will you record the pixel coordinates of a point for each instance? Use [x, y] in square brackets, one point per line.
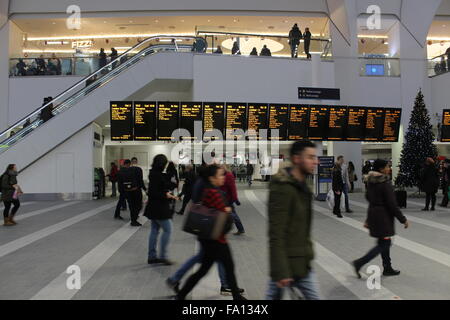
[400, 195]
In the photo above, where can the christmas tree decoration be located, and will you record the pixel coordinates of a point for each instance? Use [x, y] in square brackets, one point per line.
[418, 145]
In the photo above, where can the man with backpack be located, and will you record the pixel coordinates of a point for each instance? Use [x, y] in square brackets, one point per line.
[129, 189]
[294, 40]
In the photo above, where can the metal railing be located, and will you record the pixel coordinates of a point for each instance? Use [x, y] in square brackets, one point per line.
[279, 45]
[379, 67]
[78, 91]
[438, 65]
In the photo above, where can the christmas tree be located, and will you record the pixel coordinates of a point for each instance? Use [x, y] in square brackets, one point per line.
[418, 145]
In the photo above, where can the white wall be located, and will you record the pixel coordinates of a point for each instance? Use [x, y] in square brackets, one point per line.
[4, 74]
[27, 93]
[440, 93]
[42, 176]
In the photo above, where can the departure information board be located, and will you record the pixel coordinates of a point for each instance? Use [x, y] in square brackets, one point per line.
[144, 121]
[168, 113]
[213, 119]
[121, 114]
[236, 119]
[191, 116]
[374, 124]
[337, 123]
[298, 122]
[356, 124]
[278, 119]
[445, 128]
[257, 120]
[318, 123]
[391, 126]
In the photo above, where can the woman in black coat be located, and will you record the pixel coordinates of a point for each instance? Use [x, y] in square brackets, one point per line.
[429, 182]
[380, 217]
[158, 211]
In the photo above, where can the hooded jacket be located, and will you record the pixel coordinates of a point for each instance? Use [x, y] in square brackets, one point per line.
[290, 219]
[383, 206]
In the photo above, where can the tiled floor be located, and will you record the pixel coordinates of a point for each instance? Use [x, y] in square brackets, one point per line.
[51, 236]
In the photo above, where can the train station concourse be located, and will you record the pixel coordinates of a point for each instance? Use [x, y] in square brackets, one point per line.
[208, 151]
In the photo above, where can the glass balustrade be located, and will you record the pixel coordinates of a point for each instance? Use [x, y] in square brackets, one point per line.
[100, 77]
[438, 65]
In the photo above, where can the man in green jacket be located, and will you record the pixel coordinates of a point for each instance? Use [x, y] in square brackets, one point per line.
[290, 217]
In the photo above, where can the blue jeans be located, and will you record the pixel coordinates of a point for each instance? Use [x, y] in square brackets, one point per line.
[178, 275]
[166, 225]
[308, 286]
[237, 220]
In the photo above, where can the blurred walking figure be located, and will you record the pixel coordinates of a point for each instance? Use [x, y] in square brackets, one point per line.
[213, 250]
[351, 175]
[235, 50]
[141, 186]
[250, 171]
[290, 218]
[113, 178]
[10, 194]
[129, 191]
[380, 217]
[429, 182]
[338, 188]
[230, 190]
[188, 186]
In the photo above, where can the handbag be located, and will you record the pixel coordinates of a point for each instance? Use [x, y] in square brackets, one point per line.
[206, 223]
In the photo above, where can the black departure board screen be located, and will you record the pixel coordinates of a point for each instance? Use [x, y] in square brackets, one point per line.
[191, 112]
[391, 126]
[337, 123]
[213, 119]
[374, 124]
[257, 120]
[356, 123]
[298, 122]
[236, 118]
[445, 128]
[121, 114]
[144, 121]
[318, 123]
[168, 113]
[278, 119]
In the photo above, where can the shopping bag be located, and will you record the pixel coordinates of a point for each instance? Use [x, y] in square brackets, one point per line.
[330, 199]
[207, 223]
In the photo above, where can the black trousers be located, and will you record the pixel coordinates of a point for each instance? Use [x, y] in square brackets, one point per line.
[121, 204]
[431, 196]
[307, 44]
[212, 251]
[294, 49]
[186, 199]
[337, 202]
[445, 193]
[133, 201]
[8, 204]
[383, 247]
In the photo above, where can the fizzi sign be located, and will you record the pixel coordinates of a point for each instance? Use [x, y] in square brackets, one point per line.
[319, 93]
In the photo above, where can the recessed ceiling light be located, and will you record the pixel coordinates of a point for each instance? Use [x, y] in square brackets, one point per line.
[235, 20]
[285, 21]
[131, 21]
[156, 20]
[444, 25]
[209, 20]
[182, 20]
[53, 22]
[312, 21]
[260, 21]
[104, 21]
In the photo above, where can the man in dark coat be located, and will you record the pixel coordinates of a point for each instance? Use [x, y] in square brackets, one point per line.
[141, 185]
[307, 42]
[265, 52]
[429, 183]
[445, 183]
[188, 186]
[129, 189]
[382, 210]
[250, 171]
[338, 188]
[290, 218]
[294, 40]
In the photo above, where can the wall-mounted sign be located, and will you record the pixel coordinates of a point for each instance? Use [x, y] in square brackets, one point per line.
[319, 93]
[80, 44]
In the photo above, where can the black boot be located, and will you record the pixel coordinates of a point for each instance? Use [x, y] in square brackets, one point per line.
[356, 267]
[389, 271]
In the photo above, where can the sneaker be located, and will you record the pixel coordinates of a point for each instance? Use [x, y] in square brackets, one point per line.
[349, 211]
[390, 272]
[356, 268]
[135, 224]
[153, 261]
[339, 215]
[239, 297]
[174, 285]
[432, 209]
[227, 291]
[166, 262]
[238, 233]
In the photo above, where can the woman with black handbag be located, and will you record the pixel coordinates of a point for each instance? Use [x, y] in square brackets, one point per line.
[214, 250]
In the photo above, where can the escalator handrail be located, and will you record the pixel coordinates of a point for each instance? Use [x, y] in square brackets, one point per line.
[17, 123]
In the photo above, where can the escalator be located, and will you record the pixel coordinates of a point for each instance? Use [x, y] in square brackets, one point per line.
[156, 58]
